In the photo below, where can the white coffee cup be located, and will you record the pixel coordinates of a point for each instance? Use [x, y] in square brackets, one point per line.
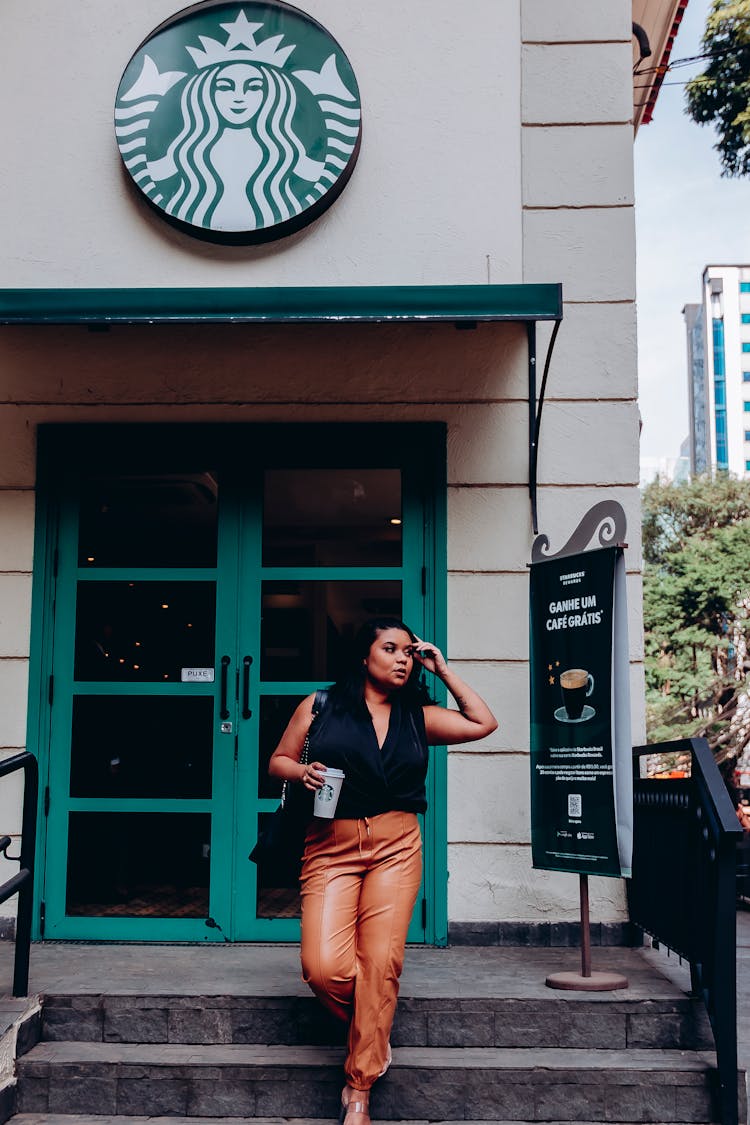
[327, 797]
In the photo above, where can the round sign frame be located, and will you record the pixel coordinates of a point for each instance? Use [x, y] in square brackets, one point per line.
[239, 123]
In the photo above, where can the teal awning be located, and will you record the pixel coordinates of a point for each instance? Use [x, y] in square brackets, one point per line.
[359, 304]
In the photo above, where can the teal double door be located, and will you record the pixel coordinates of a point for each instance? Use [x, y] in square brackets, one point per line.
[193, 584]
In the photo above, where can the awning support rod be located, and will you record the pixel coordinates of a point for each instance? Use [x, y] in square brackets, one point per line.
[535, 411]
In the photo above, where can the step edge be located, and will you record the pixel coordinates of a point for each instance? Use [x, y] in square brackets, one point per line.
[262, 1055]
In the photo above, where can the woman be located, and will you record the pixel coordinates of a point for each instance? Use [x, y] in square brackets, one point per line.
[362, 870]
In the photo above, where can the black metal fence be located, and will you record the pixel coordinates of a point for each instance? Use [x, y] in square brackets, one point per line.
[22, 883]
[683, 889]
[743, 868]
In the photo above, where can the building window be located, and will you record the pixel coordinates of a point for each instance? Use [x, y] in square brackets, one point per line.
[745, 287]
[746, 346]
[746, 318]
[718, 342]
[747, 466]
[746, 376]
[747, 435]
[722, 450]
[747, 407]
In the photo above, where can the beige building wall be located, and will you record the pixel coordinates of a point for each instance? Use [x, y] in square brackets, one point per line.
[435, 198]
[560, 208]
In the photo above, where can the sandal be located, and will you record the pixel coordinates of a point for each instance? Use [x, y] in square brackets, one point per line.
[345, 1099]
[359, 1103]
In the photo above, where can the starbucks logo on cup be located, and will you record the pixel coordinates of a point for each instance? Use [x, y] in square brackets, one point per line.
[239, 122]
[327, 797]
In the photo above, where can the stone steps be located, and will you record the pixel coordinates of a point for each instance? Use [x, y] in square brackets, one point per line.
[558, 1021]
[424, 1083]
[277, 1059]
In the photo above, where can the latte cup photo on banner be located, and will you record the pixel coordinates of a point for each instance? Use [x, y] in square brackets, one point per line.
[576, 685]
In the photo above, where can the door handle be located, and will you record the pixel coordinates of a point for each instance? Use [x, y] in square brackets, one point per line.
[223, 709]
[246, 662]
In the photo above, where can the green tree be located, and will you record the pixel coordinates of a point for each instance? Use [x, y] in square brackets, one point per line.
[721, 94]
[697, 612]
[674, 513]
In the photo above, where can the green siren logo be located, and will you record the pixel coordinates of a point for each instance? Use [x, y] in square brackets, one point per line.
[239, 122]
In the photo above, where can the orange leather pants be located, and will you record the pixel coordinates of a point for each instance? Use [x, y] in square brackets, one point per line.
[359, 882]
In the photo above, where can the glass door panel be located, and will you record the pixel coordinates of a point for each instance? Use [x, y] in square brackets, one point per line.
[164, 520]
[136, 632]
[332, 517]
[138, 865]
[146, 746]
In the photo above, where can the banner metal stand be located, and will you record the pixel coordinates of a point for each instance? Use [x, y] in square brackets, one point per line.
[586, 980]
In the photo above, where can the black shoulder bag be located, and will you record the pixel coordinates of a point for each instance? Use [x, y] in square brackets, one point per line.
[281, 843]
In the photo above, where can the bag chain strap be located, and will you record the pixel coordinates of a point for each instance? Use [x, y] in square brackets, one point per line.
[305, 755]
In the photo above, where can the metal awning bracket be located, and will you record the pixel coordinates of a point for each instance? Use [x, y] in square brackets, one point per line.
[535, 409]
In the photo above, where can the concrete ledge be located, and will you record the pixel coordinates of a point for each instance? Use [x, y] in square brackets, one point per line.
[554, 934]
[21, 1021]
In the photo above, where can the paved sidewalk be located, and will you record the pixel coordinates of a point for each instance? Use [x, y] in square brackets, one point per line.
[272, 970]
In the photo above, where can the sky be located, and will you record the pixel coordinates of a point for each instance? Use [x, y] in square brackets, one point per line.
[687, 217]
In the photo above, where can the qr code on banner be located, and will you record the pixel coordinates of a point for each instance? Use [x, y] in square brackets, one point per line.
[575, 804]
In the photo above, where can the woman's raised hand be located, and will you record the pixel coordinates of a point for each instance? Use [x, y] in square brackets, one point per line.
[430, 657]
[447, 727]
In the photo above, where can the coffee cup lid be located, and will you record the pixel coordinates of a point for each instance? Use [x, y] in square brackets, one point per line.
[331, 771]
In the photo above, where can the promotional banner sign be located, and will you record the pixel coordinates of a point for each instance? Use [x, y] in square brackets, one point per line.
[239, 122]
[581, 771]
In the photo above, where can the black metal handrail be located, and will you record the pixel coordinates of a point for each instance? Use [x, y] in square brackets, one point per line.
[22, 883]
[683, 887]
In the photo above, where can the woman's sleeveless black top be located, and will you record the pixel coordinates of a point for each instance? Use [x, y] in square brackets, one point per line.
[377, 780]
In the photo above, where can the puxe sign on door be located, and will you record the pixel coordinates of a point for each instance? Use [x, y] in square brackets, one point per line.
[239, 122]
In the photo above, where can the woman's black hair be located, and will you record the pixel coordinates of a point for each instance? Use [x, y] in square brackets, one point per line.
[348, 693]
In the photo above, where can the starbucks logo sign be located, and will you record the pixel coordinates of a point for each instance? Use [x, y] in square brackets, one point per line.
[239, 122]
